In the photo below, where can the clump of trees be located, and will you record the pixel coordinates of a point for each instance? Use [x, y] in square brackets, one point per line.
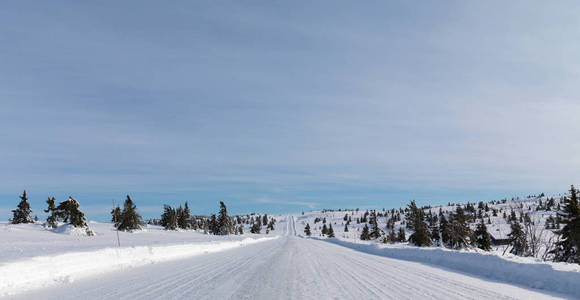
[67, 212]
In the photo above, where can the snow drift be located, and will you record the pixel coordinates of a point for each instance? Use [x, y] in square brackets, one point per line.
[43, 271]
[540, 275]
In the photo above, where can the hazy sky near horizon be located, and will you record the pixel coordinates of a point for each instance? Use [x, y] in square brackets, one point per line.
[284, 106]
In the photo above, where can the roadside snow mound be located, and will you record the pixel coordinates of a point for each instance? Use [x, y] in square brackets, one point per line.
[71, 230]
[560, 277]
[43, 271]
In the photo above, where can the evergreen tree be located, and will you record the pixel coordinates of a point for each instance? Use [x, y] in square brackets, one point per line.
[116, 215]
[458, 229]
[401, 235]
[169, 218]
[184, 222]
[256, 227]
[445, 233]
[51, 220]
[22, 212]
[568, 247]
[271, 224]
[265, 220]
[391, 238]
[365, 236]
[482, 239]
[517, 239]
[214, 225]
[421, 236]
[129, 218]
[346, 227]
[224, 222]
[434, 229]
[375, 232]
[307, 230]
[324, 230]
[330, 231]
[181, 218]
[68, 211]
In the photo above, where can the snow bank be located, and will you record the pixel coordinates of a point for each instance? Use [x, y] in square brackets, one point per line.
[539, 275]
[42, 271]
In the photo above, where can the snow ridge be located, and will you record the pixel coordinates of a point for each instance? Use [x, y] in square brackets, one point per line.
[43, 271]
[535, 275]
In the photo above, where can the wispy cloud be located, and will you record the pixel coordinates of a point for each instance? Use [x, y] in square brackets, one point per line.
[267, 200]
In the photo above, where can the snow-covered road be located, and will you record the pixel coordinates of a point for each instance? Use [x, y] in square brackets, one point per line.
[290, 267]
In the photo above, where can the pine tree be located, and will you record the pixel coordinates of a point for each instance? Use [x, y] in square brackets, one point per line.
[375, 232]
[68, 211]
[271, 224]
[22, 213]
[129, 218]
[256, 227]
[401, 235]
[186, 216]
[483, 241]
[307, 230]
[391, 238]
[568, 247]
[421, 236]
[365, 234]
[116, 215]
[51, 219]
[458, 229]
[346, 227]
[224, 222]
[330, 231]
[517, 239]
[265, 220]
[324, 230]
[445, 233]
[169, 218]
[181, 218]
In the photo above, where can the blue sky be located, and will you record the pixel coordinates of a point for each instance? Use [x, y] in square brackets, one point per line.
[283, 106]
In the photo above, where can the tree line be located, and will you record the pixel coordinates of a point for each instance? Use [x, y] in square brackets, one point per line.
[128, 219]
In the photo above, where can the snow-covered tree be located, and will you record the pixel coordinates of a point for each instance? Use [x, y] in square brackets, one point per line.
[68, 211]
[256, 227]
[307, 230]
[22, 212]
[330, 231]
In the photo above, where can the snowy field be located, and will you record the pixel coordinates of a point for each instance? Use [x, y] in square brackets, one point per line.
[32, 256]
